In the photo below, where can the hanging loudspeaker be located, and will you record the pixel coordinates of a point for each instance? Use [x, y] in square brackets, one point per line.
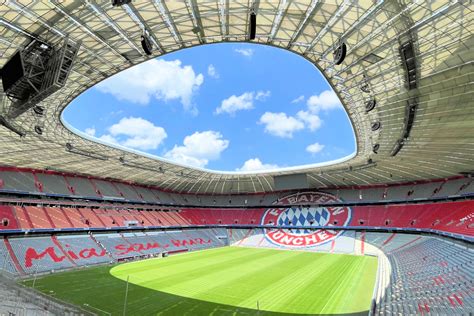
[375, 149]
[376, 126]
[253, 25]
[365, 88]
[118, 3]
[370, 105]
[147, 45]
[39, 110]
[38, 130]
[340, 54]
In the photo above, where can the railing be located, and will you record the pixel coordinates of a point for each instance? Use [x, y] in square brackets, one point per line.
[41, 304]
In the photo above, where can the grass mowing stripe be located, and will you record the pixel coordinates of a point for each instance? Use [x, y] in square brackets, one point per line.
[341, 282]
[332, 282]
[364, 276]
[321, 281]
[224, 281]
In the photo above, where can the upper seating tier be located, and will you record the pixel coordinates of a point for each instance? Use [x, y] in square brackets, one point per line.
[49, 182]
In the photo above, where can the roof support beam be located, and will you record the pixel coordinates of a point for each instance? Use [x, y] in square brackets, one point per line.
[340, 11]
[82, 25]
[308, 16]
[136, 16]
[354, 26]
[417, 25]
[282, 8]
[165, 13]
[196, 15]
[104, 17]
[223, 14]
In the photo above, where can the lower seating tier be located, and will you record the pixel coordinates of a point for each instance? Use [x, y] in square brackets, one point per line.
[30, 255]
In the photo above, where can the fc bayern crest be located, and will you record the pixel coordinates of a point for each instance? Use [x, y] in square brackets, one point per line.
[298, 216]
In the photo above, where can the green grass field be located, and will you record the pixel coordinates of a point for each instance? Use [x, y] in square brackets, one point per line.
[223, 281]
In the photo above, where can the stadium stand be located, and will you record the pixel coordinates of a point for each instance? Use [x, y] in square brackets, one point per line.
[7, 218]
[18, 181]
[431, 276]
[83, 249]
[53, 184]
[76, 219]
[39, 254]
[6, 263]
[82, 187]
[59, 217]
[452, 217]
[106, 188]
[35, 182]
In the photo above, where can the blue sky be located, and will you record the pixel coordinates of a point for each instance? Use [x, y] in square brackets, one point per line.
[221, 107]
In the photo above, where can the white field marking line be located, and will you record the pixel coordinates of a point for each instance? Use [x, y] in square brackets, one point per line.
[97, 309]
[337, 290]
[174, 255]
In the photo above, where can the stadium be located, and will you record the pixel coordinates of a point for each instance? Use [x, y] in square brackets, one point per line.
[90, 228]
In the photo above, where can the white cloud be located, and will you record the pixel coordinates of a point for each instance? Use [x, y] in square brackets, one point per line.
[326, 100]
[212, 72]
[280, 124]
[198, 149]
[236, 103]
[298, 99]
[158, 78]
[255, 164]
[262, 95]
[315, 148]
[135, 132]
[312, 121]
[90, 131]
[247, 52]
[244, 101]
[283, 125]
[109, 139]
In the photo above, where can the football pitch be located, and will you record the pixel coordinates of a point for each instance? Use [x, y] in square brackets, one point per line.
[222, 281]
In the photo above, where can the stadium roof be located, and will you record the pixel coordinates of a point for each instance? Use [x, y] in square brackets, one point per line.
[429, 42]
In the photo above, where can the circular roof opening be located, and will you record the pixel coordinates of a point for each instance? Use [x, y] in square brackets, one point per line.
[231, 107]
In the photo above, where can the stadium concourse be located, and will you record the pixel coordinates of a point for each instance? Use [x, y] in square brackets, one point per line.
[403, 70]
